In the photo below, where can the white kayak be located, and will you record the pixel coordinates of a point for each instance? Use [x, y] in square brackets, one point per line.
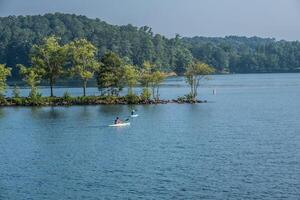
[120, 125]
[133, 116]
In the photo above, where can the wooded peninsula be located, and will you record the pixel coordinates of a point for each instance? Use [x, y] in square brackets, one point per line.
[60, 46]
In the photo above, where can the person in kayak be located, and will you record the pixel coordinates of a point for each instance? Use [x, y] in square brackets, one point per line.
[118, 121]
[132, 112]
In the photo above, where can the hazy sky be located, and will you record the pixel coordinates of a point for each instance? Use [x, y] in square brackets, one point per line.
[265, 18]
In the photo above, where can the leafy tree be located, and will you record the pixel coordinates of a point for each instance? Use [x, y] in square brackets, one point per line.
[51, 57]
[32, 77]
[83, 61]
[146, 78]
[4, 73]
[131, 76]
[194, 74]
[157, 78]
[111, 74]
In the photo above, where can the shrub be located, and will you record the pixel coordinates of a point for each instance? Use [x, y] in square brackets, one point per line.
[67, 97]
[132, 99]
[2, 100]
[146, 95]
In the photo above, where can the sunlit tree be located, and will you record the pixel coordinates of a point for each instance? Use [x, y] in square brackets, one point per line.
[4, 73]
[51, 57]
[84, 63]
[196, 72]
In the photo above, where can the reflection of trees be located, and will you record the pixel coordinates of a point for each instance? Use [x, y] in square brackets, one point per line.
[111, 109]
[2, 113]
[51, 113]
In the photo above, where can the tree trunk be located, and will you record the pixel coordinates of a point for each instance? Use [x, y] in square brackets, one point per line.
[84, 87]
[51, 88]
[153, 92]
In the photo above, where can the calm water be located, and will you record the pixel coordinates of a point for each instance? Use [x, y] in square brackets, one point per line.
[244, 144]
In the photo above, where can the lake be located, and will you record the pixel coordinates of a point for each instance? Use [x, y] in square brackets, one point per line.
[243, 144]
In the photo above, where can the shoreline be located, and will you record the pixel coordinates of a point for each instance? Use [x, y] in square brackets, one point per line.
[88, 100]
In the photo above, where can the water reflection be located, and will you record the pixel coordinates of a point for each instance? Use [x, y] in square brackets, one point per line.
[47, 112]
[2, 113]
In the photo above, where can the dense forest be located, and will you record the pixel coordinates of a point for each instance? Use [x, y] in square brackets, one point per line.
[136, 45]
[246, 55]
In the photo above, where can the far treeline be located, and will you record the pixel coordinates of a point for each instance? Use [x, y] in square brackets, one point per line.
[228, 55]
[51, 61]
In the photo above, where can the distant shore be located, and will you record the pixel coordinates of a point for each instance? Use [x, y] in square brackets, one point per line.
[88, 100]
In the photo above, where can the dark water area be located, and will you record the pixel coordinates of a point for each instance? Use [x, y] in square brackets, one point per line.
[243, 144]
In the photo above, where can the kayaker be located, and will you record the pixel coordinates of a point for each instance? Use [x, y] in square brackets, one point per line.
[118, 121]
[132, 112]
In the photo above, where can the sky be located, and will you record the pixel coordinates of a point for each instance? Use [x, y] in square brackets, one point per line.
[264, 18]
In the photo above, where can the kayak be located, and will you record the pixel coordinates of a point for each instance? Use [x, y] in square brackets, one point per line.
[120, 125]
[133, 116]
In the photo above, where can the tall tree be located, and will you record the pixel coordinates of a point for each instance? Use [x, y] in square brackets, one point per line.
[157, 78]
[111, 74]
[146, 78]
[84, 63]
[4, 73]
[196, 72]
[131, 76]
[51, 57]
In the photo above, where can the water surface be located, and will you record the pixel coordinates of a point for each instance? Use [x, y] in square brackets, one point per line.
[243, 144]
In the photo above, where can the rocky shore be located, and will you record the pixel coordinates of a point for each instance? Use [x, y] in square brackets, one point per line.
[91, 100]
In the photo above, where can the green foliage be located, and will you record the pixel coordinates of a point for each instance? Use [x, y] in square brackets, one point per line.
[246, 55]
[151, 77]
[16, 92]
[186, 98]
[32, 76]
[67, 97]
[111, 74]
[195, 73]
[83, 60]
[132, 99]
[50, 57]
[157, 78]
[146, 94]
[18, 34]
[35, 98]
[131, 77]
[4, 73]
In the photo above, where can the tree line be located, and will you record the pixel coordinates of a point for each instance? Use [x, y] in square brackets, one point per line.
[52, 60]
[246, 55]
[230, 54]
[19, 34]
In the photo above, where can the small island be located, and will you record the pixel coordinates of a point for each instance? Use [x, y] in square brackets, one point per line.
[77, 60]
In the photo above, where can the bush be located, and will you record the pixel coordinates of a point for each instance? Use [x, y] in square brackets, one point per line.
[2, 100]
[67, 97]
[35, 98]
[132, 99]
[146, 95]
[18, 101]
[186, 98]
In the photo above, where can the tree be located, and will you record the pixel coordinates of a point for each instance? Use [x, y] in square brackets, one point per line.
[4, 73]
[146, 78]
[51, 57]
[111, 74]
[32, 77]
[157, 78]
[131, 76]
[83, 60]
[195, 73]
